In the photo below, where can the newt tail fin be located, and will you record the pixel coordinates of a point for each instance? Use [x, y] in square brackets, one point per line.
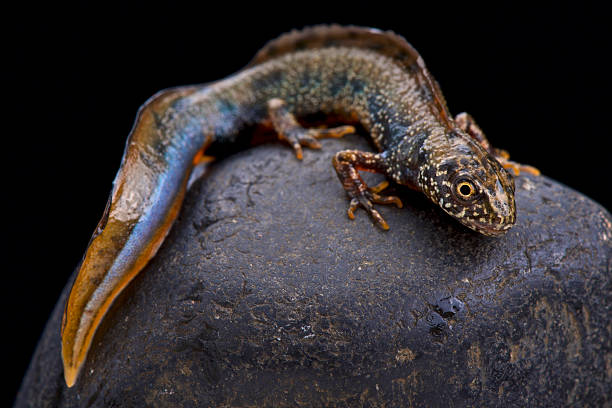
[146, 197]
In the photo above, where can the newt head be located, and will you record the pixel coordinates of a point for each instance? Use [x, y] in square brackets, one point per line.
[471, 185]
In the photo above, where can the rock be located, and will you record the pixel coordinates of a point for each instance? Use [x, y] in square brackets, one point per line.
[266, 294]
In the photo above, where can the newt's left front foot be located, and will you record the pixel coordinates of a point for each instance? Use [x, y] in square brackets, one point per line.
[466, 122]
[503, 157]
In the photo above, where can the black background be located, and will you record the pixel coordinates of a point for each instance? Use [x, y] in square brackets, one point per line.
[535, 78]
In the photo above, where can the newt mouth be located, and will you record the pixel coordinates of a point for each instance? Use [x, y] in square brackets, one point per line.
[492, 229]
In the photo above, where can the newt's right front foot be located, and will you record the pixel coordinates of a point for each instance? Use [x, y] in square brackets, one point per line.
[347, 164]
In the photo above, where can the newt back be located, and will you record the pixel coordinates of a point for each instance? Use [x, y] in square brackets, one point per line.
[385, 43]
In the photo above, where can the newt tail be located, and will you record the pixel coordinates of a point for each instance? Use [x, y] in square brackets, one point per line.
[360, 75]
[137, 218]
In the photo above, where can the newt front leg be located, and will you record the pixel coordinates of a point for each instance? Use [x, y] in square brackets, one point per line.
[466, 122]
[347, 164]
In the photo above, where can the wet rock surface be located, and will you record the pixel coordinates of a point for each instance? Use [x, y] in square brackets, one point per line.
[266, 294]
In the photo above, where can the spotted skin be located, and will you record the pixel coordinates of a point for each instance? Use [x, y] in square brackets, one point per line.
[359, 75]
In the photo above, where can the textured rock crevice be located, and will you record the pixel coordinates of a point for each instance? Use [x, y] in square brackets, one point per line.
[265, 294]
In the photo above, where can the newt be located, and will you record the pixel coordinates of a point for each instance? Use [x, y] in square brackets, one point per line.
[361, 75]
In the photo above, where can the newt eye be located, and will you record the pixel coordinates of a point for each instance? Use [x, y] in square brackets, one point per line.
[465, 190]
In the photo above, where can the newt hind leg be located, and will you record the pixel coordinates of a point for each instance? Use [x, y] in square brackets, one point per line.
[466, 122]
[347, 164]
[290, 130]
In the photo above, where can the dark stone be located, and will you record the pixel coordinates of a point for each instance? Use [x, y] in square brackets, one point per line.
[266, 294]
